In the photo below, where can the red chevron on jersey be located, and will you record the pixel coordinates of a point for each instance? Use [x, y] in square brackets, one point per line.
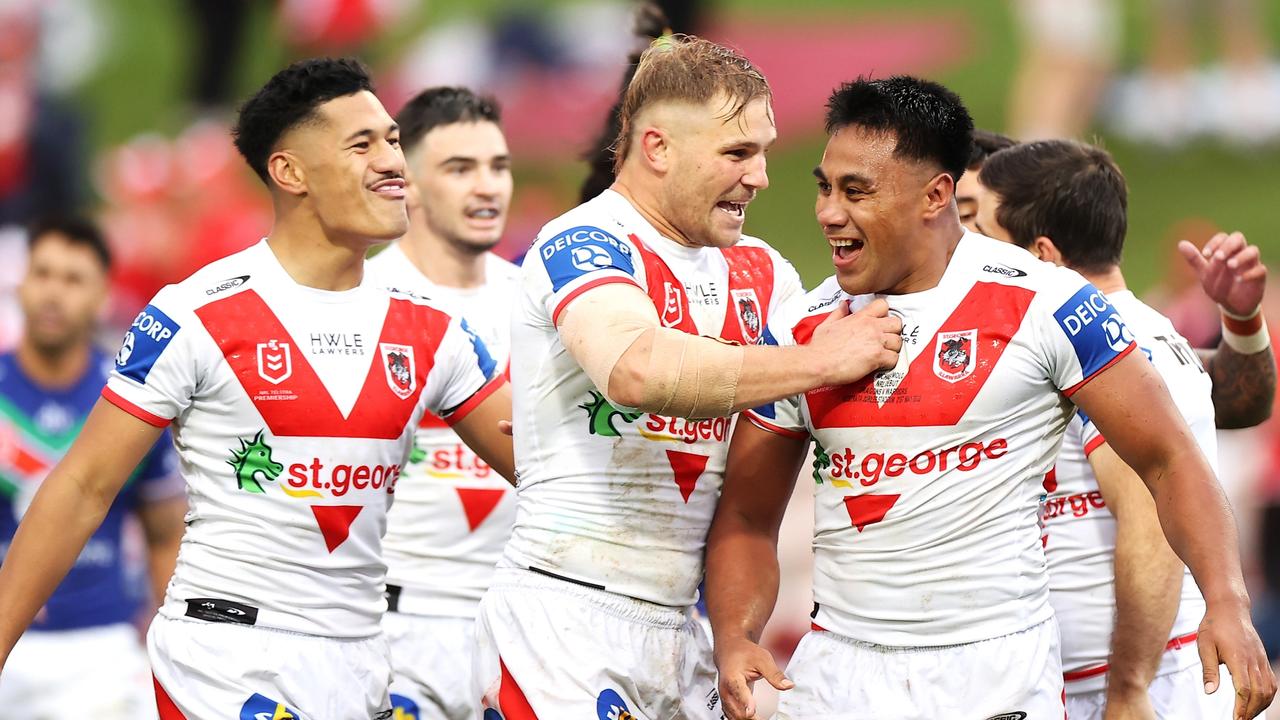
[867, 510]
[924, 398]
[335, 522]
[688, 468]
[300, 405]
[750, 290]
[477, 503]
[666, 291]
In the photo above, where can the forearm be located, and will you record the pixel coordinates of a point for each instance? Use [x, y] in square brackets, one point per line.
[741, 593]
[1148, 583]
[1244, 386]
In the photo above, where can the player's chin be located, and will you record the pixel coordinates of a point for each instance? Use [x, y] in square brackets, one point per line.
[854, 282]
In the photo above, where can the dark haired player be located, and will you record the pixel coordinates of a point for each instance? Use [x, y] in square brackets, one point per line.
[985, 143]
[291, 453]
[929, 580]
[1128, 607]
[48, 385]
[453, 512]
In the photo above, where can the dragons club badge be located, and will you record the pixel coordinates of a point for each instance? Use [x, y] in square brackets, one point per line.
[397, 360]
[955, 359]
[747, 306]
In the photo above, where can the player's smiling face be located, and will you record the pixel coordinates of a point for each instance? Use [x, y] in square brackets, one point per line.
[716, 167]
[870, 206]
[460, 184]
[352, 168]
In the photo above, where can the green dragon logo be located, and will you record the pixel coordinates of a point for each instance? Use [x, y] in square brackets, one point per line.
[600, 415]
[252, 458]
[821, 461]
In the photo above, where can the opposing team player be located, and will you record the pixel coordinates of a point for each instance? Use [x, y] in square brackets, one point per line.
[294, 386]
[929, 581]
[1128, 608]
[637, 324]
[82, 651]
[453, 512]
[985, 143]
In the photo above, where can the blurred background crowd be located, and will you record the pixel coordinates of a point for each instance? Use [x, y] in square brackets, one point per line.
[119, 110]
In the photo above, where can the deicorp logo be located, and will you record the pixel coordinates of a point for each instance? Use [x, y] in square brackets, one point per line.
[146, 338]
[582, 250]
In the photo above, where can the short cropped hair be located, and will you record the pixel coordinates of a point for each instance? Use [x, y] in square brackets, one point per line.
[76, 230]
[985, 144]
[928, 121]
[290, 99]
[438, 106]
[1072, 193]
[689, 69]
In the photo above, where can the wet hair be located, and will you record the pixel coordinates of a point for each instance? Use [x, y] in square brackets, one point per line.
[1072, 193]
[685, 68]
[439, 106]
[929, 122]
[289, 99]
[985, 144]
[75, 230]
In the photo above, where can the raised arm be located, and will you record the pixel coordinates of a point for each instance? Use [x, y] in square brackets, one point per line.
[67, 509]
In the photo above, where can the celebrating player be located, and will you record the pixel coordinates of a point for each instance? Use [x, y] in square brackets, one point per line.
[929, 581]
[453, 512]
[1127, 605]
[82, 651]
[294, 386]
[638, 320]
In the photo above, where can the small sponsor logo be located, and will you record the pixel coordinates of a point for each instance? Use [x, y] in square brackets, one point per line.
[403, 708]
[590, 257]
[259, 707]
[672, 307]
[611, 706]
[1004, 270]
[221, 611]
[398, 362]
[253, 459]
[327, 343]
[126, 349]
[227, 284]
[582, 250]
[748, 307]
[1016, 715]
[954, 360]
[829, 301]
[275, 361]
[146, 338]
[1117, 333]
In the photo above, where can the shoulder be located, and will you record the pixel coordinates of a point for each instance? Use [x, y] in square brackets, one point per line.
[215, 281]
[500, 270]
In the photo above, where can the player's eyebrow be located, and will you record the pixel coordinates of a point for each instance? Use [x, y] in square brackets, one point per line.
[845, 179]
[368, 132]
[464, 159]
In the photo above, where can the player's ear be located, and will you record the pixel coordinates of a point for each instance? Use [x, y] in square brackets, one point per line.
[656, 146]
[938, 194]
[1043, 248]
[287, 172]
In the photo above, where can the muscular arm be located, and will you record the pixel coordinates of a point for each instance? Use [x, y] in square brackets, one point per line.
[69, 506]
[162, 525]
[1132, 408]
[1244, 386]
[480, 431]
[1148, 581]
[742, 559]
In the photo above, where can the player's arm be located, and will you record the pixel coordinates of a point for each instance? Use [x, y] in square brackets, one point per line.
[613, 332]
[67, 509]
[1130, 405]
[480, 430]
[1242, 367]
[742, 560]
[162, 527]
[1148, 584]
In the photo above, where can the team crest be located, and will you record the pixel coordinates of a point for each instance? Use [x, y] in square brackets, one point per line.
[955, 359]
[748, 308]
[397, 360]
[672, 308]
[275, 361]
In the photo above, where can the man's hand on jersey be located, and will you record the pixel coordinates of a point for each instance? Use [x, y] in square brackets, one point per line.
[855, 345]
[741, 663]
[1230, 271]
[1227, 636]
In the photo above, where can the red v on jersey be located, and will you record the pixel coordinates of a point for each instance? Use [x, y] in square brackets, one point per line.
[335, 522]
[923, 399]
[687, 468]
[478, 503]
[867, 510]
[242, 322]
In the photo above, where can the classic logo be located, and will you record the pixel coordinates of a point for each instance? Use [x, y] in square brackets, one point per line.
[1004, 270]
[1016, 715]
[397, 360]
[954, 360]
[275, 361]
[748, 307]
[227, 284]
[254, 457]
[672, 308]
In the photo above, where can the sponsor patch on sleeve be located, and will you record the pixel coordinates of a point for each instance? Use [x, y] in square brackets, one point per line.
[146, 338]
[487, 363]
[583, 250]
[1096, 331]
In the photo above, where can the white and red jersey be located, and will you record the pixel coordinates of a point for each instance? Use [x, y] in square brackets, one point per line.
[293, 411]
[1080, 532]
[616, 499]
[453, 512]
[928, 475]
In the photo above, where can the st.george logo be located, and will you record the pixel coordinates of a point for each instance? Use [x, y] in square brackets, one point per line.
[397, 360]
[253, 459]
[955, 355]
[748, 307]
[275, 361]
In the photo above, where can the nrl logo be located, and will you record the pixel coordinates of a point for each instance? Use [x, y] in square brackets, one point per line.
[401, 372]
[748, 306]
[672, 308]
[954, 360]
[275, 361]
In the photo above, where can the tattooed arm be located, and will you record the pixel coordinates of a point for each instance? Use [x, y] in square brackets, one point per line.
[1244, 386]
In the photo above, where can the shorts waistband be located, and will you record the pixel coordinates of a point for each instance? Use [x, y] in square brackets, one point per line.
[1176, 643]
[620, 606]
[815, 627]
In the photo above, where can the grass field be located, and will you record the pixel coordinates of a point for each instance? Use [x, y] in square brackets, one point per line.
[140, 85]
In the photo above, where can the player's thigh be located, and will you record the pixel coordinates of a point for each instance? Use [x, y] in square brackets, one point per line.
[431, 665]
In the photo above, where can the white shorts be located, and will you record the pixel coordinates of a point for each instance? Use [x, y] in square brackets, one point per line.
[553, 649]
[212, 671]
[431, 662]
[96, 673]
[841, 679]
[1175, 696]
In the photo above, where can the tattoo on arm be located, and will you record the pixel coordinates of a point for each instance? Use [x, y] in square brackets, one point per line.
[1244, 386]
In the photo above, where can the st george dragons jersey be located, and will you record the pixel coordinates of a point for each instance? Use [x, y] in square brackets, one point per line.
[1080, 532]
[928, 475]
[293, 412]
[607, 497]
[453, 512]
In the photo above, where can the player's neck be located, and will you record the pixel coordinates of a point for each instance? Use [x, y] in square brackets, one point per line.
[928, 274]
[442, 262]
[647, 206]
[315, 260]
[52, 369]
[1108, 281]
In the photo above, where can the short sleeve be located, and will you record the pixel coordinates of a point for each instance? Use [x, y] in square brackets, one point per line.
[575, 260]
[1087, 433]
[1082, 334]
[157, 476]
[781, 417]
[462, 375]
[154, 376]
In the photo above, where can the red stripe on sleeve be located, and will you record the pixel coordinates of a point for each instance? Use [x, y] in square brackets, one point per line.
[1074, 388]
[1094, 444]
[474, 401]
[775, 429]
[560, 306]
[119, 401]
